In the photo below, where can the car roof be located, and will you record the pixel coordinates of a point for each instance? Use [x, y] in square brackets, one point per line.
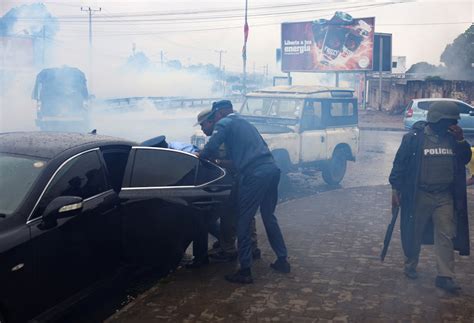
[437, 99]
[303, 91]
[50, 144]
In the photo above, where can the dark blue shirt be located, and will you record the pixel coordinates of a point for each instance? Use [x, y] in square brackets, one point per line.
[244, 144]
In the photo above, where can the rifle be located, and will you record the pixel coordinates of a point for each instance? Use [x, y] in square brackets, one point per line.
[388, 234]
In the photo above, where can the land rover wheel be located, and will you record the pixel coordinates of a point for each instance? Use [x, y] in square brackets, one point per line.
[335, 169]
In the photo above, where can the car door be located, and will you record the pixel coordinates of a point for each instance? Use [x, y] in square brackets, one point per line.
[79, 249]
[313, 133]
[467, 119]
[161, 192]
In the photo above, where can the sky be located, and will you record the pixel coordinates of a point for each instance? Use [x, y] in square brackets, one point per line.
[194, 31]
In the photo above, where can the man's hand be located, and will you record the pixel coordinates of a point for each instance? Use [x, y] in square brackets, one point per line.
[396, 198]
[457, 132]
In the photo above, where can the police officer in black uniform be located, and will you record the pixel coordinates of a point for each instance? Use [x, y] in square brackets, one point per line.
[429, 183]
[258, 185]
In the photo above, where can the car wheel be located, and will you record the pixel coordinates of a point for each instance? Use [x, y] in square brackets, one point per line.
[335, 169]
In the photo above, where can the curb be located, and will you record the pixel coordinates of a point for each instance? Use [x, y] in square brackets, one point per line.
[382, 129]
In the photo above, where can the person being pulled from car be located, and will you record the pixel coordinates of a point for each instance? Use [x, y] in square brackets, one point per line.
[429, 184]
[224, 247]
[258, 185]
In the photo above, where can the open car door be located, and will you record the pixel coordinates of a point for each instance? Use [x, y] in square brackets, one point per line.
[162, 191]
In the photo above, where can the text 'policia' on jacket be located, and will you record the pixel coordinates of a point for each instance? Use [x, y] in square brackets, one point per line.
[245, 146]
[405, 176]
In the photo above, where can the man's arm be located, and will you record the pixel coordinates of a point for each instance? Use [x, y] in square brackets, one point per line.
[211, 149]
[400, 164]
[463, 151]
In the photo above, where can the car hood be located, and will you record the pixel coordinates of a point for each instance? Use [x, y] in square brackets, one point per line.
[272, 124]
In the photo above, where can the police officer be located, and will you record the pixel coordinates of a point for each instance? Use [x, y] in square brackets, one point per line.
[225, 248]
[429, 183]
[258, 185]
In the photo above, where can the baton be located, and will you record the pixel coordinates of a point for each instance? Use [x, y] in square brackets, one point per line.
[388, 234]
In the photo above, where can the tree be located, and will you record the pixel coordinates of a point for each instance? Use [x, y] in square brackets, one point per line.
[423, 68]
[459, 56]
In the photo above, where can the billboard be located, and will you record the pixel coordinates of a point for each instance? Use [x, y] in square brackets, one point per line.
[341, 44]
[386, 52]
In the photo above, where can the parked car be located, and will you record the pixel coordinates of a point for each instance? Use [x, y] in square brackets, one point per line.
[305, 126]
[74, 207]
[417, 110]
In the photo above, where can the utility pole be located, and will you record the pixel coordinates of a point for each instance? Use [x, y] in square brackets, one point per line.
[161, 58]
[220, 52]
[90, 11]
[244, 50]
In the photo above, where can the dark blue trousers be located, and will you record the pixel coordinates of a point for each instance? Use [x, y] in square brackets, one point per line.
[258, 188]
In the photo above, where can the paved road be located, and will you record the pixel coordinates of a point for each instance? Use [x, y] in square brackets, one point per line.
[334, 235]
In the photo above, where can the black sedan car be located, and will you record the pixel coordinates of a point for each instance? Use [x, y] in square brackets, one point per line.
[75, 207]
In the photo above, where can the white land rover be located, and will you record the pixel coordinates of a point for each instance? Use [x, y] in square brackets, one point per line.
[305, 126]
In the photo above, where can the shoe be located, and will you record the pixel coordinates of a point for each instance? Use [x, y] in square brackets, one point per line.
[223, 256]
[256, 254]
[281, 265]
[197, 263]
[216, 244]
[239, 278]
[411, 273]
[447, 283]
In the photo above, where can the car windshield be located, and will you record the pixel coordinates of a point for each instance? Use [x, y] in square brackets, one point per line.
[272, 107]
[17, 174]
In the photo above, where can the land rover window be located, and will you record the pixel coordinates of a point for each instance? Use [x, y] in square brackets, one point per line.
[342, 109]
[341, 112]
[256, 106]
[311, 118]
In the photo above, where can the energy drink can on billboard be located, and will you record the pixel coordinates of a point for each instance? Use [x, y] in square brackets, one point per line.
[335, 36]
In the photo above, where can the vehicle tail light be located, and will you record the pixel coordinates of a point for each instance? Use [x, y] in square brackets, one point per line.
[409, 113]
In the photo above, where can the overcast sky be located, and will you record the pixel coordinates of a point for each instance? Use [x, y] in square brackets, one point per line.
[421, 29]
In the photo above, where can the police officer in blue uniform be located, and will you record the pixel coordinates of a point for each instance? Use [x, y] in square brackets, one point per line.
[258, 185]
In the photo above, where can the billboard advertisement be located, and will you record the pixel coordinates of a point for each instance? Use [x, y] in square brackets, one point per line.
[341, 44]
[384, 53]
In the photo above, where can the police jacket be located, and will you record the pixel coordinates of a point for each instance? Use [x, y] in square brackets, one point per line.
[404, 178]
[245, 146]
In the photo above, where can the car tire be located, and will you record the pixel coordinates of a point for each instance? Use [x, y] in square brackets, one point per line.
[335, 168]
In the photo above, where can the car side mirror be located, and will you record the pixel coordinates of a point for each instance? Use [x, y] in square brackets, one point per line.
[61, 207]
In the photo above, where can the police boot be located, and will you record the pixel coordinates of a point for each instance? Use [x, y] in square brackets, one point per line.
[447, 283]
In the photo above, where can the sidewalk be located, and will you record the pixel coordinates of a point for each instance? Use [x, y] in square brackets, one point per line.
[380, 120]
[334, 240]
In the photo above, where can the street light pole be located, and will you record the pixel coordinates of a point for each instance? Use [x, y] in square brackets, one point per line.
[244, 51]
[90, 11]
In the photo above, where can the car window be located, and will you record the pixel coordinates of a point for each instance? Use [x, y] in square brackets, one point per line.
[463, 108]
[311, 118]
[425, 105]
[83, 176]
[17, 175]
[162, 167]
[340, 113]
[207, 172]
[272, 107]
[341, 109]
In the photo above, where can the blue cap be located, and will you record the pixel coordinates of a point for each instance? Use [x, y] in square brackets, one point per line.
[222, 104]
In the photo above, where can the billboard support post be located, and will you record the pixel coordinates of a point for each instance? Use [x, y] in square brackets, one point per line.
[337, 79]
[380, 72]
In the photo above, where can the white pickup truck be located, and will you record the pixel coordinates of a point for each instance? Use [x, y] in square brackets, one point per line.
[305, 126]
